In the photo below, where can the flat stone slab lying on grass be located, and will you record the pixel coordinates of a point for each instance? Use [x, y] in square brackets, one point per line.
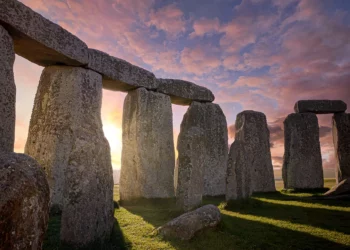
[343, 188]
[40, 40]
[187, 225]
[320, 106]
[184, 92]
[119, 74]
[24, 202]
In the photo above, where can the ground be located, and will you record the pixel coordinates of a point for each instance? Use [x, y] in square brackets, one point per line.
[281, 220]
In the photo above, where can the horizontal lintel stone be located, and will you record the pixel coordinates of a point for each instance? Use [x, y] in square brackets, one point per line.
[40, 40]
[320, 106]
[184, 92]
[118, 74]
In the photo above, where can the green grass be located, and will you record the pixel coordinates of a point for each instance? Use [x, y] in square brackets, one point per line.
[281, 220]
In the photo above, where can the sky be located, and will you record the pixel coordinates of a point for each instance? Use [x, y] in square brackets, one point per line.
[260, 55]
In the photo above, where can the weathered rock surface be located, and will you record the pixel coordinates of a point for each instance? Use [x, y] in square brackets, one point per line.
[24, 202]
[210, 118]
[320, 106]
[239, 176]
[341, 139]
[7, 92]
[184, 92]
[187, 225]
[118, 74]
[342, 188]
[66, 137]
[148, 155]
[302, 166]
[40, 40]
[254, 137]
[189, 171]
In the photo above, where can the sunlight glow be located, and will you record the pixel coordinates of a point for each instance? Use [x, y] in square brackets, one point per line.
[114, 137]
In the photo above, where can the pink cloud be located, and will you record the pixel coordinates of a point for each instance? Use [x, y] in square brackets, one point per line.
[170, 19]
[205, 26]
[200, 59]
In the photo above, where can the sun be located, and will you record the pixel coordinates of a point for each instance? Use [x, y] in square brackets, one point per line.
[114, 136]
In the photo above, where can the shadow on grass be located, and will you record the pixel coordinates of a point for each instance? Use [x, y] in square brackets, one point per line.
[279, 207]
[257, 235]
[303, 196]
[116, 241]
[154, 211]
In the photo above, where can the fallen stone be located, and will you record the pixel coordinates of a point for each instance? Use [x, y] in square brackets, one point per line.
[342, 188]
[320, 106]
[254, 137]
[66, 137]
[148, 155]
[239, 176]
[187, 225]
[24, 202]
[7, 92]
[40, 40]
[210, 118]
[118, 74]
[302, 166]
[341, 139]
[184, 92]
[189, 171]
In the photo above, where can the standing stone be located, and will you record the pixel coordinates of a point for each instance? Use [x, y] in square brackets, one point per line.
[239, 177]
[7, 92]
[302, 166]
[189, 171]
[341, 139]
[66, 137]
[254, 147]
[148, 155]
[210, 118]
[24, 202]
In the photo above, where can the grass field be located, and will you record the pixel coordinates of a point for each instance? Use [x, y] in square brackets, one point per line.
[278, 220]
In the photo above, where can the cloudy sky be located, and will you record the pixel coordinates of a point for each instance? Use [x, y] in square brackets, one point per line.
[262, 55]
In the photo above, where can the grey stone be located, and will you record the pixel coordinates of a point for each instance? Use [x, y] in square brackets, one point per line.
[341, 139]
[342, 188]
[148, 155]
[187, 225]
[239, 175]
[320, 106]
[189, 171]
[254, 135]
[66, 137]
[118, 74]
[302, 163]
[184, 92]
[210, 118]
[24, 202]
[40, 40]
[7, 92]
